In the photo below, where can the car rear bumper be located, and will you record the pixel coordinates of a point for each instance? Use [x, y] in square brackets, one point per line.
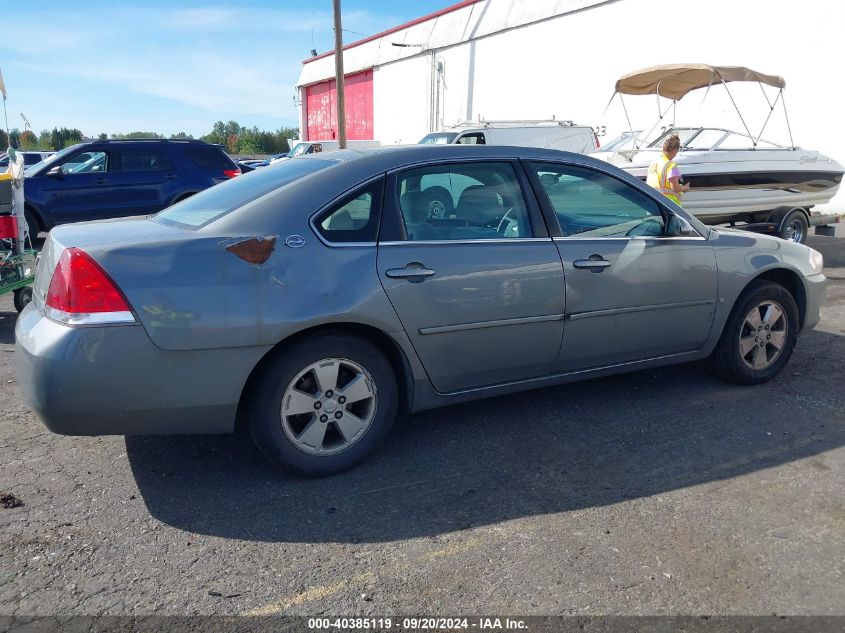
[113, 381]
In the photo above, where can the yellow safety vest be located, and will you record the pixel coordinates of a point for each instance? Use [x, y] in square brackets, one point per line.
[658, 177]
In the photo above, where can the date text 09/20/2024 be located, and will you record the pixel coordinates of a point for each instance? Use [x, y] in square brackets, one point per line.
[416, 624]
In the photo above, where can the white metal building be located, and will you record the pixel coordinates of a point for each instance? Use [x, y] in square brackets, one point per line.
[538, 59]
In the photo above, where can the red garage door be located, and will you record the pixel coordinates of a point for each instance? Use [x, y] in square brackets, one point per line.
[321, 108]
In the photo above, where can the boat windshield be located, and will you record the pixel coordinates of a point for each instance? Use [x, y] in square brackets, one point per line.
[705, 139]
[623, 141]
[737, 141]
[685, 134]
[712, 138]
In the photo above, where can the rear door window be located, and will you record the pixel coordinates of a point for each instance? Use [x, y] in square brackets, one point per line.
[355, 218]
[144, 159]
[463, 201]
[209, 157]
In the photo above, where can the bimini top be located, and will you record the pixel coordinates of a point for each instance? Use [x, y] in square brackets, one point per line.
[673, 81]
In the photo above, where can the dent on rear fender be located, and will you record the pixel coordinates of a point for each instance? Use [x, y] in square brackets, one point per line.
[253, 250]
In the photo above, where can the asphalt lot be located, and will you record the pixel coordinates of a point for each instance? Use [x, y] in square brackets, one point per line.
[657, 492]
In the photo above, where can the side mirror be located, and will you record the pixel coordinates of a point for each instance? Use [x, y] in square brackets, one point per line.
[679, 227]
[56, 172]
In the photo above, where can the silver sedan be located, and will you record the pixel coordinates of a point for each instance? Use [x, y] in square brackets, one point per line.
[316, 299]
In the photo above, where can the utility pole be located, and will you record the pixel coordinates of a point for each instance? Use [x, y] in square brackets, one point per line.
[338, 74]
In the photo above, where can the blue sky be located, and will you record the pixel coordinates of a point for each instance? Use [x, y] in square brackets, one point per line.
[172, 65]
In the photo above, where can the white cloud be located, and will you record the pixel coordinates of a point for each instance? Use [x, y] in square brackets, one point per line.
[216, 62]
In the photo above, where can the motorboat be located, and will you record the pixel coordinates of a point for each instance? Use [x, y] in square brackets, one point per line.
[733, 175]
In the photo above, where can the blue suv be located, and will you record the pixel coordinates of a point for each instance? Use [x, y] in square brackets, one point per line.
[109, 179]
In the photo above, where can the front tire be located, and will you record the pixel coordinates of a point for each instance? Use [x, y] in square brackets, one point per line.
[759, 336]
[323, 404]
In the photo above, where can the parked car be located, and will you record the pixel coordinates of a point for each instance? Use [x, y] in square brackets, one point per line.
[29, 158]
[560, 135]
[271, 159]
[109, 179]
[303, 148]
[320, 298]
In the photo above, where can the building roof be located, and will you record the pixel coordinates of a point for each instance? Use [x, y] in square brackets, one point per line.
[394, 29]
[455, 24]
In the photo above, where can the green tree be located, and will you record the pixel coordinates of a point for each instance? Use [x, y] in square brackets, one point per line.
[232, 143]
[218, 133]
[44, 140]
[4, 140]
[103, 136]
[28, 140]
[233, 128]
[240, 139]
[61, 138]
[132, 135]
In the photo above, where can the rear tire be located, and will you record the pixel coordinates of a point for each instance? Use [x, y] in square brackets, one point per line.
[22, 298]
[323, 405]
[759, 336]
[795, 226]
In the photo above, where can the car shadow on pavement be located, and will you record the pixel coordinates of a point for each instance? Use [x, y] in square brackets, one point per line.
[552, 450]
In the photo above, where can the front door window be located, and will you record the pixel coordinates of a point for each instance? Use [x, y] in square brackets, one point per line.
[86, 163]
[591, 204]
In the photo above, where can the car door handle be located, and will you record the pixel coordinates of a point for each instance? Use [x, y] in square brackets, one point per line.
[598, 262]
[410, 271]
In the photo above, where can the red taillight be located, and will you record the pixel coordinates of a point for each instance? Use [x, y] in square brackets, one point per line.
[80, 287]
[231, 173]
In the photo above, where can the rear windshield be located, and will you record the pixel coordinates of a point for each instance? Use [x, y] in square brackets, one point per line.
[219, 200]
[210, 157]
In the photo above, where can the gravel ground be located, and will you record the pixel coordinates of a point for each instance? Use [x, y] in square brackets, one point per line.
[659, 492]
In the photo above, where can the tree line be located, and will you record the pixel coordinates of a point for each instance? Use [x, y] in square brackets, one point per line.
[240, 139]
[47, 140]
[237, 138]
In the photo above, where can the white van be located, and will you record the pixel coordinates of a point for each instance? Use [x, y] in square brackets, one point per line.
[301, 148]
[561, 135]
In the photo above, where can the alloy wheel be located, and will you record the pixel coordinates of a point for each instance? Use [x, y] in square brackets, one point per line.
[763, 335]
[328, 406]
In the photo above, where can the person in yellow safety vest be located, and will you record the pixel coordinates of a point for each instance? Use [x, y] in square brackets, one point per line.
[664, 175]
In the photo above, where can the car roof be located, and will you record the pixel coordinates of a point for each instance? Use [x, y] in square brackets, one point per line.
[386, 158]
[352, 166]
